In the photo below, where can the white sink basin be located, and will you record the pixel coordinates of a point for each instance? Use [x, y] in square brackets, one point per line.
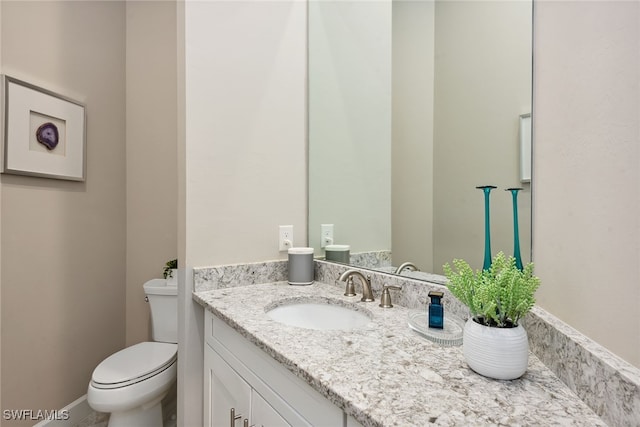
[319, 315]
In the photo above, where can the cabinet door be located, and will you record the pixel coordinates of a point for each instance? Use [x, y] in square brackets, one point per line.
[224, 390]
[263, 414]
[351, 422]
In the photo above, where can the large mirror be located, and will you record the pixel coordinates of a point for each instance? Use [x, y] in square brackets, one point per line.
[412, 105]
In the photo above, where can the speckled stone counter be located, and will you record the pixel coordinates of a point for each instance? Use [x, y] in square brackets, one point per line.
[385, 374]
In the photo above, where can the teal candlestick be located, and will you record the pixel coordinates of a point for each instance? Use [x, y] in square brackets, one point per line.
[487, 232]
[516, 232]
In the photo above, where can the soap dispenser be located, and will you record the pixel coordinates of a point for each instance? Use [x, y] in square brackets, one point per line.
[436, 312]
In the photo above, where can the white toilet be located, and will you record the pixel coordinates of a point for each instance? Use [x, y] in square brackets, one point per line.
[131, 383]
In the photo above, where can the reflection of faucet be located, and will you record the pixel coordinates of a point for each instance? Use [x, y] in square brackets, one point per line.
[367, 293]
[409, 265]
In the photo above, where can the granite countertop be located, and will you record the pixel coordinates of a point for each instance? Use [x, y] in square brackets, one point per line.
[385, 374]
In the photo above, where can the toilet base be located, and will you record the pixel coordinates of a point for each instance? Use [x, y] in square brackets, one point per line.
[149, 415]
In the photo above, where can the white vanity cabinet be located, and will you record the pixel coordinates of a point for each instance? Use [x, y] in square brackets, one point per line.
[225, 391]
[240, 375]
[231, 396]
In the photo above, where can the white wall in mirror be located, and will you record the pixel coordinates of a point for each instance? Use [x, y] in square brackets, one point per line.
[412, 104]
[350, 123]
[412, 159]
[482, 86]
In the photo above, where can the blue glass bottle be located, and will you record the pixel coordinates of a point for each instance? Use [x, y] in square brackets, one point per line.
[436, 311]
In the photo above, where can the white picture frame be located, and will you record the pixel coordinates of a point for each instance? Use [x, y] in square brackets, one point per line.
[525, 147]
[43, 132]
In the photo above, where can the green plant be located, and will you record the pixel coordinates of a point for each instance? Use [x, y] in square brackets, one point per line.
[499, 296]
[170, 265]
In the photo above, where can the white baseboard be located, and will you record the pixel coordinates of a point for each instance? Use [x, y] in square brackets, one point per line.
[70, 415]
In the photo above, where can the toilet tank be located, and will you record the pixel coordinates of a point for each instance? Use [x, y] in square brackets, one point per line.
[163, 303]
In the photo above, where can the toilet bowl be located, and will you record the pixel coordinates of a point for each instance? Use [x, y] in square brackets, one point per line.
[131, 383]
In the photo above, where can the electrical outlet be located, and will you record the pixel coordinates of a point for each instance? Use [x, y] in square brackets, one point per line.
[326, 235]
[286, 237]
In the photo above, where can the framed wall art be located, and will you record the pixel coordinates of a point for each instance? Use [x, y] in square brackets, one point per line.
[43, 132]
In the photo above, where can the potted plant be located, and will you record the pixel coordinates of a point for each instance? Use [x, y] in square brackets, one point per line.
[170, 272]
[494, 342]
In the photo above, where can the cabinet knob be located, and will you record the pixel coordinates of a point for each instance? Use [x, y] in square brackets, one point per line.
[233, 417]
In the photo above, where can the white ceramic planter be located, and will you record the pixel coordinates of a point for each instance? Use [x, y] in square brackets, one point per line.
[499, 353]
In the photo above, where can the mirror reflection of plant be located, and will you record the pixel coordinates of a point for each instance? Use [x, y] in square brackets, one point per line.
[170, 265]
[499, 296]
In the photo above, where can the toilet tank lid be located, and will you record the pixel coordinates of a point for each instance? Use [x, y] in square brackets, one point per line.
[159, 287]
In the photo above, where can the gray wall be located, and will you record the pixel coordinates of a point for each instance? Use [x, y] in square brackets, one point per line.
[587, 168]
[63, 243]
[75, 255]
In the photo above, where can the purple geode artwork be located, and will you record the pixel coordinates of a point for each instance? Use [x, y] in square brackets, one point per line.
[47, 135]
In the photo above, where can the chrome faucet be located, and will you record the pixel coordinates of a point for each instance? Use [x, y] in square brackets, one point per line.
[367, 293]
[408, 265]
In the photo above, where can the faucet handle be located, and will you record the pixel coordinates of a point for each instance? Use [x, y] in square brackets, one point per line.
[385, 299]
[350, 289]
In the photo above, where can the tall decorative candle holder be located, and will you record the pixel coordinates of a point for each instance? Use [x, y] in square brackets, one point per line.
[487, 233]
[516, 232]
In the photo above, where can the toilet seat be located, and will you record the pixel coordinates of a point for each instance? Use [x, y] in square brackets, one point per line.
[134, 364]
